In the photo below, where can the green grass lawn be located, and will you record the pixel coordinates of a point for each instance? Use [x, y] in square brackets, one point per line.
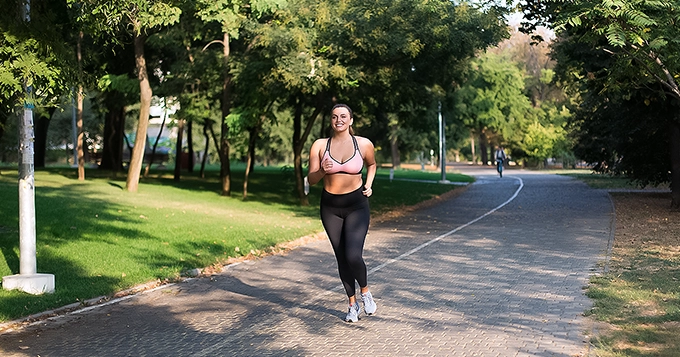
[98, 239]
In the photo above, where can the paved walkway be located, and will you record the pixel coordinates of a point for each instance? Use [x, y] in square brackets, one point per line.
[496, 271]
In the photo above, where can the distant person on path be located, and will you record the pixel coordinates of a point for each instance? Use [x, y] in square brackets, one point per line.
[500, 155]
[345, 213]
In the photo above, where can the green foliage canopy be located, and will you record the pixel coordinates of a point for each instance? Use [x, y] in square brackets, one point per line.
[623, 58]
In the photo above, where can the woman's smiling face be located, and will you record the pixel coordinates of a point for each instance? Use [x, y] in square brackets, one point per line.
[341, 119]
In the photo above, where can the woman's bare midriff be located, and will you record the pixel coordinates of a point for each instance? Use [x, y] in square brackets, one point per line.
[339, 184]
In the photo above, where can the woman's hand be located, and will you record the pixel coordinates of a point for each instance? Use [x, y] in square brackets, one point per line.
[367, 191]
[326, 165]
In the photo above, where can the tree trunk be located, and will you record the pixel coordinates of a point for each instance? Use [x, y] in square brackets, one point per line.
[297, 157]
[137, 155]
[254, 131]
[79, 112]
[675, 163]
[205, 151]
[114, 127]
[7, 106]
[472, 148]
[81, 136]
[69, 153]
[394, 143]
[155, 145]
[251, 146]
[41, 127]
[3, 121]
[178, 149]
[190, 145]
[299, 139]
[324, 128]
[86, 152]
[127, 143]
[225, 170]
[214, 137]
[483, 152]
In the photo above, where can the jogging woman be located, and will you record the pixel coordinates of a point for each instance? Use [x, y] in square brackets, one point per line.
[339, 161]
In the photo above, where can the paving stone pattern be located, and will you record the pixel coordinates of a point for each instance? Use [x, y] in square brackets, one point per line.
[509, 284]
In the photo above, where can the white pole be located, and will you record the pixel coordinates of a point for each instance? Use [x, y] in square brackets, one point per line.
[27, 262]
[439, 117]
[442, 143]
[28, 279]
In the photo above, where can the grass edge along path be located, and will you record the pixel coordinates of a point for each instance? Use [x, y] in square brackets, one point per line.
[636, 309]
[636, 300]
[102, 242]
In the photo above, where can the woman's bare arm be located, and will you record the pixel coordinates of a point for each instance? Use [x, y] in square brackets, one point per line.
[316, 172]
[368, 150]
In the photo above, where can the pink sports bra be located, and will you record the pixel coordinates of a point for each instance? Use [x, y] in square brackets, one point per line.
[352, 166]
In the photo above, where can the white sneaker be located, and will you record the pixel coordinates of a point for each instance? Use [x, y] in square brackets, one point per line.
[353, 313]
[369, 304]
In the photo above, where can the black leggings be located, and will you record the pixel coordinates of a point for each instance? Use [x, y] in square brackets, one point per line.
[345, 218]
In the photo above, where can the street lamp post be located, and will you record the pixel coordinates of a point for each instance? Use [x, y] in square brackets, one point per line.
[442, 144]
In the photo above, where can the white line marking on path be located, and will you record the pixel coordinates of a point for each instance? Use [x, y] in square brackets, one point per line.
[521, 185]
[434, 240]
[269, 323]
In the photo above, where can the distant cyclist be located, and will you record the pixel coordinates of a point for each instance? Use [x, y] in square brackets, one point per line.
[500, 159]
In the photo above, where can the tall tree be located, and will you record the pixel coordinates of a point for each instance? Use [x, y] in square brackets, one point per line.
[253, 103]
[231, 15]
[117, 90]
[80, 93]
[641, 38]
[491, 103]
[191, 74]
[542, 134]
[139, 17]
[298, 72]
[409, 55]
[534, 59]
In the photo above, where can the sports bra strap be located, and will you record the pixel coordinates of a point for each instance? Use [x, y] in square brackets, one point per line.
[356, 144]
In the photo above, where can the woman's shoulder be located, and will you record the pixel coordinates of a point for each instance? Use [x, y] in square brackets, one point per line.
[321, 141]
[319, 144]
[363, 140]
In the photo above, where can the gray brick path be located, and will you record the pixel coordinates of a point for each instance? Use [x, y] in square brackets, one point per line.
[509, 284]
